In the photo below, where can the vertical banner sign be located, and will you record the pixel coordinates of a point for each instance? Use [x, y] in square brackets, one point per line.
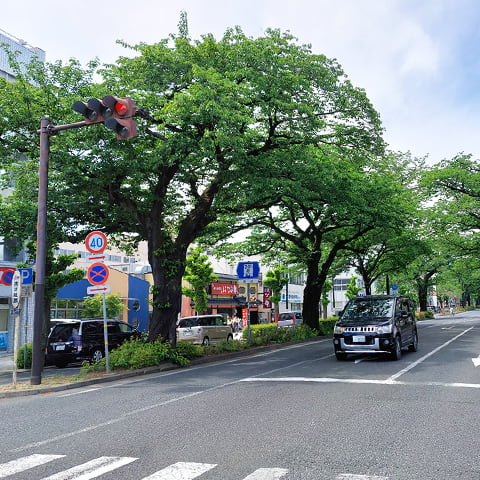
[97, 275]
[16, 293]
[267, 293]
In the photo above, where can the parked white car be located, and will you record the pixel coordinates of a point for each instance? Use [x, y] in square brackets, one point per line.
[204, 329]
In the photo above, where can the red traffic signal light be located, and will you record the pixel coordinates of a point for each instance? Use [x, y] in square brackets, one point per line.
[94, 111]
[116, 113]
[121, 121]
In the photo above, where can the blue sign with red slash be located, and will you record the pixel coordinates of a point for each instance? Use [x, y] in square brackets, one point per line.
[97, 273]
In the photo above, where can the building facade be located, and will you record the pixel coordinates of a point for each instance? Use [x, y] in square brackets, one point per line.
[25, 53]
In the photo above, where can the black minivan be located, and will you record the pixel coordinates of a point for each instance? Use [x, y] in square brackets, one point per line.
[77, 340]
[376, 324]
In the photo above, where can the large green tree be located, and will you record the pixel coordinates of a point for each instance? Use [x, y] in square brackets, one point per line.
[326, 199]
[217, 120]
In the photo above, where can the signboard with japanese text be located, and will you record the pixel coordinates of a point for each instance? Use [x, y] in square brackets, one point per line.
[224, 289]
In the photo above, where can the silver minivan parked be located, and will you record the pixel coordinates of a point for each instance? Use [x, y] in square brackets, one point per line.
[204, 329]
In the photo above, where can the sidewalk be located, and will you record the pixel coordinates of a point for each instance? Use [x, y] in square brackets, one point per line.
[6, 362]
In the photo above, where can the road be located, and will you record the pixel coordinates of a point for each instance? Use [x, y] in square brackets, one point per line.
[293, 413]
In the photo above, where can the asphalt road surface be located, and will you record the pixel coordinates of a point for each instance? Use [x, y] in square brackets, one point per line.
[293, 413]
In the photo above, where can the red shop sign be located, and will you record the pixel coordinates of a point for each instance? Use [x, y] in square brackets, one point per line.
[224, 289]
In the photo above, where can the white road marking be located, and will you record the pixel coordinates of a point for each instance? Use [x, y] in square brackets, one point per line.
[182, 471]
[25, 463]
[92, 469]
[476, 361]
[352, 476]
[267, 474]
[359, 381]
[433, 352]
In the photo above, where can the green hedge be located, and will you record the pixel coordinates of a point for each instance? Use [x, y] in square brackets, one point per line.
[265, 334]
[139, 353]
[326, 325]
[23, 362]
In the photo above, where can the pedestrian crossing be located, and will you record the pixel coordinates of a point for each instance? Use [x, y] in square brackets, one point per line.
[101, 465]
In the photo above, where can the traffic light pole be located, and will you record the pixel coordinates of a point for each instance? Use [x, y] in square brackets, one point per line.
[123, 111]
[37, 357]
[38, 318]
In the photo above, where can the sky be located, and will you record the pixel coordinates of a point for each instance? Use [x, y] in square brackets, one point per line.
[417, 60]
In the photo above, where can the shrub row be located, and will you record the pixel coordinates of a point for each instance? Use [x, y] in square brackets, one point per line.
[139, 353]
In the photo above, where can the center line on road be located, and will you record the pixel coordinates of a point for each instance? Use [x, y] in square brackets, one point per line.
[420, 360]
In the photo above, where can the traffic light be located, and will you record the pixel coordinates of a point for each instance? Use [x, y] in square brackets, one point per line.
[94, 111]
[121, 121]
[116, 113]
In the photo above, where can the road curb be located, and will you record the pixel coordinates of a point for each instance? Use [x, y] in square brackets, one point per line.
[166, 366]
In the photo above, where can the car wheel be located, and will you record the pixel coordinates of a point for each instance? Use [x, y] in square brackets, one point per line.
[229, 337]
[397, 349]
[97, 355]
[341, 355]
[206, 341]
[414, 345]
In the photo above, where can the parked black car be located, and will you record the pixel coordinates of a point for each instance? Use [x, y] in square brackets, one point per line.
[376, 324]
[77, 340]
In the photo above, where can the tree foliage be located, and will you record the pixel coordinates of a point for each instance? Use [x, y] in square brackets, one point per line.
[276, 279]
[93, 306]
[198, 274]
[221, 124]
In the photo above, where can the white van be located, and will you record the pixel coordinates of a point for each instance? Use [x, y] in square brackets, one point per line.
[204, 329]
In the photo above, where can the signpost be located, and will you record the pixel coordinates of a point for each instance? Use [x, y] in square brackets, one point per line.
[248, 272]
[97, 275]
[16, 297]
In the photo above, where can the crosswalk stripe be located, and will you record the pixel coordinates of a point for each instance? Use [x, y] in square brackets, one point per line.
[92, 469]
[267, 474]
[181, 471]
[25, 463]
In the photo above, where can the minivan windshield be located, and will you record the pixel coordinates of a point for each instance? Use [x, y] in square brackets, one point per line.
[368, 309]
[64, 332]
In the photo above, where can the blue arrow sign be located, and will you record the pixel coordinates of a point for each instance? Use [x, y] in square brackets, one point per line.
[247, 270]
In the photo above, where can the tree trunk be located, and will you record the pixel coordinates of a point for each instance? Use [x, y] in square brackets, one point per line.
[311, 301]
[312, 294]
[422, 286]
[168, 267]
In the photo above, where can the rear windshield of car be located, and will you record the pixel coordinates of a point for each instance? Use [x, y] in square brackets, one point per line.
[64, 332]
[187, 322]
[376, 309]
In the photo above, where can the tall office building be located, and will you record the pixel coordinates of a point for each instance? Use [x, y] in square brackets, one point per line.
[8, 256]
[26, 53]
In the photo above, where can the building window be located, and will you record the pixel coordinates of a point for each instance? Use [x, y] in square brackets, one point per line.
[63, 309]
[340, 284]
[7, 250]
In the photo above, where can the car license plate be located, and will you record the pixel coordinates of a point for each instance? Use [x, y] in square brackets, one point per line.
[60, 347]
[187, 334]
[359, 339]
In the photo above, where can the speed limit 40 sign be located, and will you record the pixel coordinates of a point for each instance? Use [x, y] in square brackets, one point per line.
[96, 242]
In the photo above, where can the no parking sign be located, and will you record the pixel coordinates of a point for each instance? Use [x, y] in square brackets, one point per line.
[97, 273]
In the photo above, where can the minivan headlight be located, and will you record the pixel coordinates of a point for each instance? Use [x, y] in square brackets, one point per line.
[385, 329]
[338, 329]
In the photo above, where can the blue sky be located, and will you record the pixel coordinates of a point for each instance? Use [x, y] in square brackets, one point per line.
[418, 60]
